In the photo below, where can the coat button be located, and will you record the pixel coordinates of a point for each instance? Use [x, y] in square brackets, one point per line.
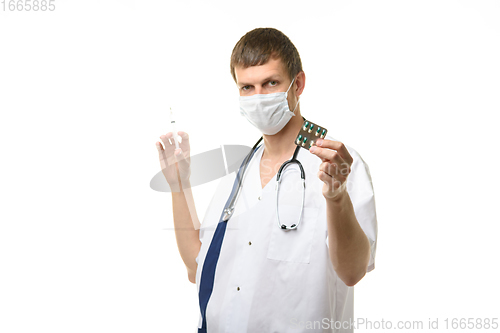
[249, 243]
[238, 288]
[259, 198]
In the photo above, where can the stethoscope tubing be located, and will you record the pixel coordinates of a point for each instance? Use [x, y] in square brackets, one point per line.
[228, 212]
[278, 182]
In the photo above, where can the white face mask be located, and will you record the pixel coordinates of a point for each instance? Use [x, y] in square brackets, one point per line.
[268, 112]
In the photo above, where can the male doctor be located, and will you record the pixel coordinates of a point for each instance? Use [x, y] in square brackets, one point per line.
[251, 275]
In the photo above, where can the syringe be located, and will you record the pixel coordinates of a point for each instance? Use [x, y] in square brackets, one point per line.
[174, 131]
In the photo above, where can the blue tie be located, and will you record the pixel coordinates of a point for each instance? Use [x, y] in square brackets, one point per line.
[210, 263]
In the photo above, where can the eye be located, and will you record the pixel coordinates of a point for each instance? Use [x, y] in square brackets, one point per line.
[245, 88]
[273, 83]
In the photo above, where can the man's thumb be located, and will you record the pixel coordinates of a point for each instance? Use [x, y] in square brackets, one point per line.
[180, 156]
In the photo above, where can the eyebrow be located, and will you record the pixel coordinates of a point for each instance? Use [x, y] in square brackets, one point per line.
[274, 77]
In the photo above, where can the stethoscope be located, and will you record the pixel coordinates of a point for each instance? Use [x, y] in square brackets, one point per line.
[228, 212]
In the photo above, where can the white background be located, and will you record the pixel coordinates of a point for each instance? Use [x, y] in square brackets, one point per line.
[85, 244]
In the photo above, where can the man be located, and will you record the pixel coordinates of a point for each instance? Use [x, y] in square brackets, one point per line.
[253, 276]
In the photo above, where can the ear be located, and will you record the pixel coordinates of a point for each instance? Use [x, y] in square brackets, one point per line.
[300, 83]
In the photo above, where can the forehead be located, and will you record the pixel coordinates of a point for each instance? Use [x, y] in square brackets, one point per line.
[255, 74]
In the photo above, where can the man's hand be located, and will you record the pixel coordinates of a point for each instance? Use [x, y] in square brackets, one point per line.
[348, 245]
[335, 168]
[175, 163]
[176, 167]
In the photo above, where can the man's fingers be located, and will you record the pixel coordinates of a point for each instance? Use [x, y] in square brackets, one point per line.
[337, 171]
[159, 147]
[332, 183]
[179, 156]
[161, 153]
[184, 135]
[336, 145]
[167, 140]
[327, 179]
[185, 141]
[327, 155]
[328, 168]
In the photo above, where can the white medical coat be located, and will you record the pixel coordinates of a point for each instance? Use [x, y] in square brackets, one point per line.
[270, 280]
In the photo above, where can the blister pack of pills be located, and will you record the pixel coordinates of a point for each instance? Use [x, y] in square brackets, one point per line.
[309, 133]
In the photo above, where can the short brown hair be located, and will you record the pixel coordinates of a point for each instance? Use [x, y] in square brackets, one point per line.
[257, 46]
